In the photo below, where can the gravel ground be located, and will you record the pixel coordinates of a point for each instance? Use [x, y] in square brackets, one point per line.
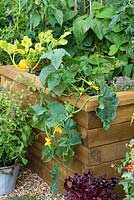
[31, 184]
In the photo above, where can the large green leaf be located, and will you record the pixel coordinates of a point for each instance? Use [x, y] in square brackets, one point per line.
[55, 57]
[70, 14]
[96, 6]
[68, 77]
[59, 16]
[74, 137]
[80, 27]
[105, 12]
[108, 104]
[59, 89]
[116, 38]
[38, 109]
[56, 113]
[96, 26]
[113, 50]
[39, 122]
[53, 80]
[35, 20]
[44, 74]
[127, 70]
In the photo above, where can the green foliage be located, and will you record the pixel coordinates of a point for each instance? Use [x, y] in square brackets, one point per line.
[15, 128]
[107, 31]
[55, 120]
[108, 104]
[127, 170]
[30, 58]
[55, 176]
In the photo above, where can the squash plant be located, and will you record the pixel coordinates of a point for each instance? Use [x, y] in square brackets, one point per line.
[29, 56]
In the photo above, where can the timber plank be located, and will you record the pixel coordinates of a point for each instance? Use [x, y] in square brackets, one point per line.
[124, 114]
[117, 132]
[103, 169]
[82, 154]
[107, 153]
[82, 119]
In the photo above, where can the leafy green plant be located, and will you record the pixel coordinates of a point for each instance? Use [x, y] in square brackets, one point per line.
[15, 128]
[61, 135]
[127, 170]
[30, 57]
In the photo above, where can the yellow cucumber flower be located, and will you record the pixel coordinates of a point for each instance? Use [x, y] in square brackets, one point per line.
[90, 83]
[58, 129]
[48, 141]
[95, 87]
[81, 89]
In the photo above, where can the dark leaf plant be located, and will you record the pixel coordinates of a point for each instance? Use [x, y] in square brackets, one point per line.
[87, 187]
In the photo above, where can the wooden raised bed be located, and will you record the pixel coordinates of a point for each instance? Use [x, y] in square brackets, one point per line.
[99, 149]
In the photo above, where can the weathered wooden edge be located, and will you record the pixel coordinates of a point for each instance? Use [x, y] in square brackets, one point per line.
[125, 97]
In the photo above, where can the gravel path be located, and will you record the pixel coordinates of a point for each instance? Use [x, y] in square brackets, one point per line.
[31, 184]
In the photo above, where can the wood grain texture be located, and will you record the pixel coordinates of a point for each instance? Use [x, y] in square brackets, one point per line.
[82, 153]
[118, 132]
[103, 169]
[124, 114]
[107, 153]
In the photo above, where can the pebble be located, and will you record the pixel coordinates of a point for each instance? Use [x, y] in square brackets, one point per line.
[31, 184]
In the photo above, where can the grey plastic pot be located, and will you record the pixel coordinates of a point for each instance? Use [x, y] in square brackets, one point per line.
[8, 177]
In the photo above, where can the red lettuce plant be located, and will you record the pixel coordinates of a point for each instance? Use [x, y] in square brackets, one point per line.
[87, 187]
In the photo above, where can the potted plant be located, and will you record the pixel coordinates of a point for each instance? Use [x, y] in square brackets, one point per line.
[15, 137]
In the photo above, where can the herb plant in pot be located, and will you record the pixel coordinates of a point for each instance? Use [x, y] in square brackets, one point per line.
[15, 136]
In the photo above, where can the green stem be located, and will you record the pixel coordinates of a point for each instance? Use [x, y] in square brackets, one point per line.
[89, 99]
[36, 64]
[13, 61]
[84, 6]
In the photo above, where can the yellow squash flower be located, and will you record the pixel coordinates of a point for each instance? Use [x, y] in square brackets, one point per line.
[23, 64]
[58, 129]
[48, 141]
